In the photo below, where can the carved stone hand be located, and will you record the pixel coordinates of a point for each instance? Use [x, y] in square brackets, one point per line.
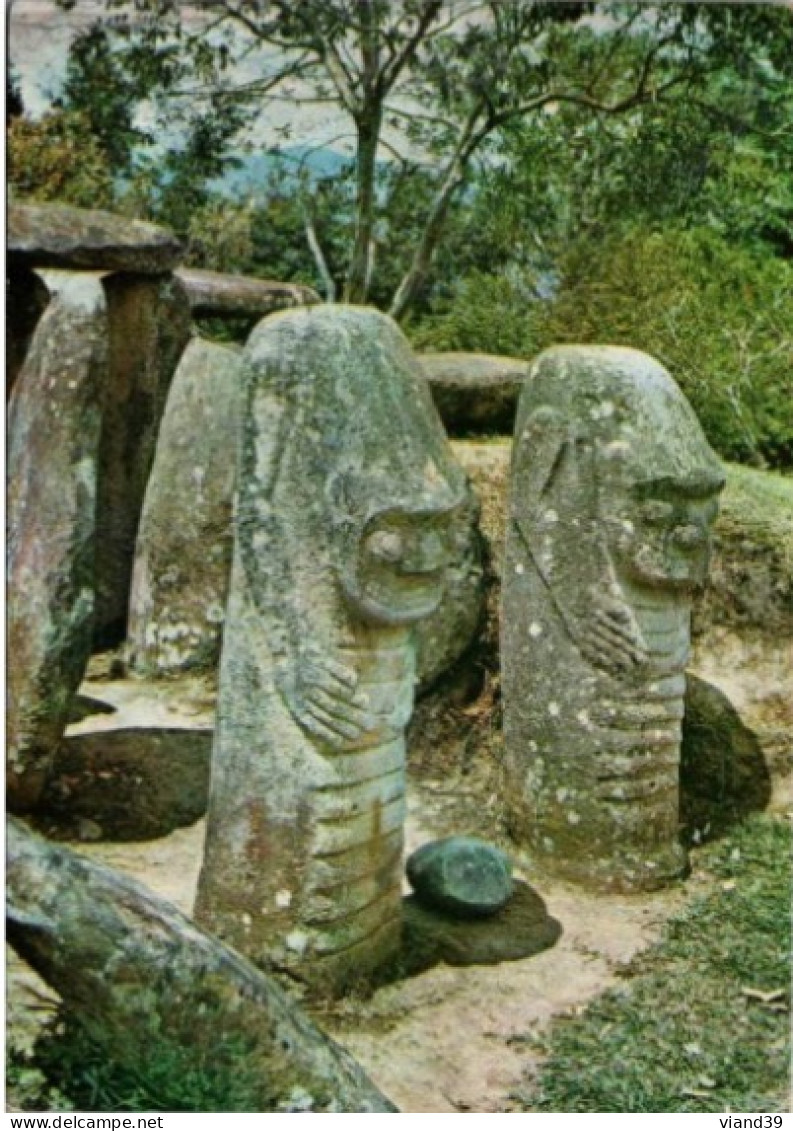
[608, 635]
[320, 693]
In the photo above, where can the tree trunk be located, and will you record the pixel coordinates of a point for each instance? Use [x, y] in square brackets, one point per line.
[136, 973]
[328, 284]
[413, 279]
[359, 272]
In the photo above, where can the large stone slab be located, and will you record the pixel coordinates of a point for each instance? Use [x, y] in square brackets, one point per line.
[149, 326]
[213, 293]
[346, 485]
[58, 235]
[54, 430]
[613, 491]
[475, 392]
[131, 783]
[184, 546]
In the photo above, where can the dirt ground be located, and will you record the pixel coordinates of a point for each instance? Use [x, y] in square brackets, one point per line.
[446, 1040]
[450, 1039]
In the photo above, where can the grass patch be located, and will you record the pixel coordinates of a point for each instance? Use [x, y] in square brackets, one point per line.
[71, 1067]
[702, 1022]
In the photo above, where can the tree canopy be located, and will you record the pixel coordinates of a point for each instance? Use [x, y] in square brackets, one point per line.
[439, 99]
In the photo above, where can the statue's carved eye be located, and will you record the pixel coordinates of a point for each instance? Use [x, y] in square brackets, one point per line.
[657, 512]
[386, 546]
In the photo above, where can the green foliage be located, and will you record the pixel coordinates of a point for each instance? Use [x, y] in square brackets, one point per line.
[719, 316]
[219, 236]
[168, 1077]
[56, 159]
[560, 102]
[99, 88]
[488, 314]
[702, 1023]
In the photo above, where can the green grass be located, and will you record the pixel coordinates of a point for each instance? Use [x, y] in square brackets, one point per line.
[701, 1023]
[759, 504]
[70, 1066]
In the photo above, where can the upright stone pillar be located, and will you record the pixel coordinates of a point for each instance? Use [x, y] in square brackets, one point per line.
[53, 443]
[346, 491]
[183, 553]
[149, 326]
[613, 492]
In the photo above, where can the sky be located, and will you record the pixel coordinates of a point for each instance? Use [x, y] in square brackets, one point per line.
[38, 40]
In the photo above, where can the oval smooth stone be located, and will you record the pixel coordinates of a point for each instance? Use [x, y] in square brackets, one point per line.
[462, 875]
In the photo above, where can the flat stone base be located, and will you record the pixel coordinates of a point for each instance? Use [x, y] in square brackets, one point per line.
[520, 929]
[135, 783]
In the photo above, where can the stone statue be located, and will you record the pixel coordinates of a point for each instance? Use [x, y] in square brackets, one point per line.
[346, 492]
[613, 491]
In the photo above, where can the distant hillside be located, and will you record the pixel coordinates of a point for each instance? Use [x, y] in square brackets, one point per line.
[254, 171]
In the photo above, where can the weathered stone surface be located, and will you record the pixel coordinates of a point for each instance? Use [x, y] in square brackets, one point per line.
[723, 774]
[150, 326]
[129, 784]
[461, 875]
[475, 392]
[444, 636]
[345, 488]
[149, 987]
[26, 299]
[521, 928]
[183, 554]
[54, 428]
[613, 492]
[58, 235]
[213, 293]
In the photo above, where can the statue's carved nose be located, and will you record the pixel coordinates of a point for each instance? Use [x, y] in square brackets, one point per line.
[689, 537]
[430, 554]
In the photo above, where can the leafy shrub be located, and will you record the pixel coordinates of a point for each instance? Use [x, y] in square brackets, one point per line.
[57, 159]
[488, 314]
[720, 317]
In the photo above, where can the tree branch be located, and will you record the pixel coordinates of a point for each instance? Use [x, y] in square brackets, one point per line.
[402, 57]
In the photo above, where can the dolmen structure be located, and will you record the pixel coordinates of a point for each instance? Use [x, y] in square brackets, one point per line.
[98, 322]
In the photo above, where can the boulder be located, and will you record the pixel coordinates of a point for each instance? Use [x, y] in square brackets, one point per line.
[54, 432]
[134, 783]
[142, 982]
[723, 774]
[213, 293]
[58, 235]
[149, 326]
[461, 875]
[184, 545]
[475, 392]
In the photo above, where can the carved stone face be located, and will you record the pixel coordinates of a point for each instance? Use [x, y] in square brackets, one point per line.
[658, 531]
[400, 567]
